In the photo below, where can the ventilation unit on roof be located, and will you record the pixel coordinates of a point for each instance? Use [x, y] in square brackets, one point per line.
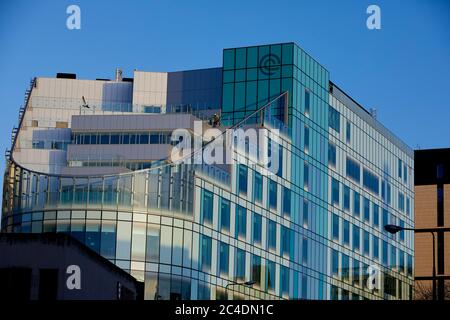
[62, 75]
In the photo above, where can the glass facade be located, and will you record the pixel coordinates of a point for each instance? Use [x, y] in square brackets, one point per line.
[310, 231]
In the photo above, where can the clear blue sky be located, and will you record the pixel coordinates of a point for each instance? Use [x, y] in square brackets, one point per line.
[403, 69]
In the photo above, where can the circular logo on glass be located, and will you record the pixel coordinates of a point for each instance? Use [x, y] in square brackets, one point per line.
[269, 64]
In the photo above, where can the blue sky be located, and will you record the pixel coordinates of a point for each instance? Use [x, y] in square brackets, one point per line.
[402, 70]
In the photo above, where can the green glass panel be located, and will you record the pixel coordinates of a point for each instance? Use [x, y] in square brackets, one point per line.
[252, 57]
[287, 71]
[228, 59]
[288, 49]
[263, 92]
[252, 74]
[274, 88]
[228, 76]
[228, 94]
[239, 96]
[275, 51]
[240, 75]
[251, 95]
[241, 58]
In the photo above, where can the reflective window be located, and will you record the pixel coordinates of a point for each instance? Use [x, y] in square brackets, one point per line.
[334, 191]
[353, 170]
[240, 265]
[346, 231]
[335, 227]
[224, 215]
[371, 181]
[272, 194]
[152, 246]
[257, 228]
[366, 249]
[356, 204]
[241, 221]
[206, 245]
[366, 209]
[258, 187]
[123, 240]
[224, 253]
[207, 207]
[334, 119]
[242, 179]
[284, 278]
[331, 154]
[286, 201]
[356, 238]
[270, 275]
[272, 234]
[285, 241]
[346, 198]
[108, 239]
[256, 270]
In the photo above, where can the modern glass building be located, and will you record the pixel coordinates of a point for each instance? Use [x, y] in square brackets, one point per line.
[92, 158]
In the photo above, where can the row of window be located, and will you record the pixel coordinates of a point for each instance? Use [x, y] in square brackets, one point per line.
[154, 137]
[340, 232]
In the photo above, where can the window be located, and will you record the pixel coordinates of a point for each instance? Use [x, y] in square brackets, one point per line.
[258, 187]
[270, 275]
[356, 273]
[286, 201]
[399, 168]
[305, 251]
[285, 241]
[305, 213]
[401, 234]
[376, 215]
[346, 230]
[331, 154]
[366, 242]
[305, 176]
[307, 101]
[207, 207]
[108, 240]
[242, 179]
[272, 234]
[334, 119]
[405, 173]
[224, 215]
[376, 247]
[348, 132]
[257, 228]
[356, 238]
[371, 181]
[385, 253]
[366, 210]
[241, 221]
[353, 170]
[385, 217]
[401, 201]
[408, 206]
[224, 251]
[256, 270]
[345, 267]
[393, 257]
[284, 280]
[240, 264]
[335, 227]
[335, 263]
[306, 137]
[334, 191]
[272, 194]
[346, 198]
[206, 253]
[143, 138]
[356, 204]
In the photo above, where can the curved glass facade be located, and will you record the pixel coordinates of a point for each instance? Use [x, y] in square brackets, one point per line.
[312, 229]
